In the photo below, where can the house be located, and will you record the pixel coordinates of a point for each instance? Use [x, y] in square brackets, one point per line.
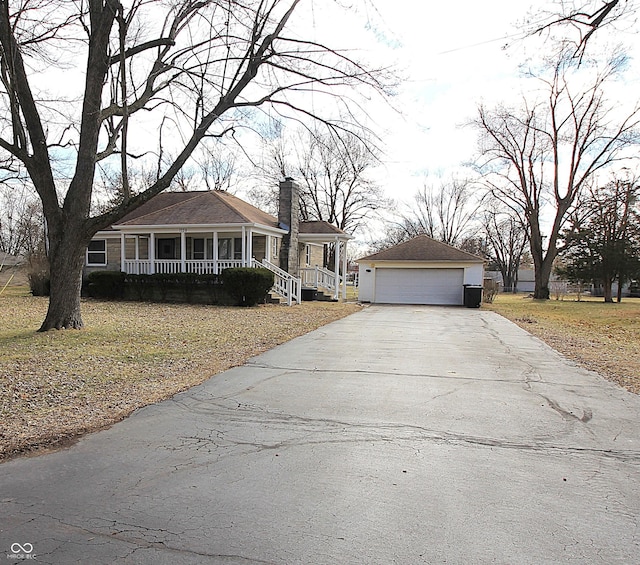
[419, 271]
[206, 232]
[8, 261]
[526, 280]
[11, 269]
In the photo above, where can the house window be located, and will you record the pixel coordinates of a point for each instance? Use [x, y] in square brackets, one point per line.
[307, 253]
[166, 248]
[274, 247]
[225, 248]
[198, 249]
[97, 252]
[237, 248]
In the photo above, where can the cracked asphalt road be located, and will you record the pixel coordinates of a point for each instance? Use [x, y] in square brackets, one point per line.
[396, 435]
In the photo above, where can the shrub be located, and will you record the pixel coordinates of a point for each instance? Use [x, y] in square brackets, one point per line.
[141, 287]
[490, 290]
[176, 287]
[38, 275]
[40, 284]
[246, 285]
[106, 284]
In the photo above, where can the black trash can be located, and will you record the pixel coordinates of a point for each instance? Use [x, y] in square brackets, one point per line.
[308, 294]
[472, 295]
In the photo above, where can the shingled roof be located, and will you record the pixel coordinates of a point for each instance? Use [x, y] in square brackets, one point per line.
[212, 207]
[319, 228]
[423, 249]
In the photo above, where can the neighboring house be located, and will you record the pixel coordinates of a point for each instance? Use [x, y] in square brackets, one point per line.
[419, 271]
[526, 280]
[208, 231]
[7, 260]
[11, 269]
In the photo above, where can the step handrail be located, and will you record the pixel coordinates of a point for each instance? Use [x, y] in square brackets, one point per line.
[285, 284]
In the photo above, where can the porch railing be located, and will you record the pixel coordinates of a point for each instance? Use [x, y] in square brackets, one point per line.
[319, 277]
[170, 266]
[286, 285]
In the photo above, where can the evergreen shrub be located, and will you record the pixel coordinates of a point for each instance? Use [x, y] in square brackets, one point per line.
[107, 285]
[248, 286]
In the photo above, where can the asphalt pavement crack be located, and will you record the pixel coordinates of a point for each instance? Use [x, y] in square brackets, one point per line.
[295, 431]
[587, 414]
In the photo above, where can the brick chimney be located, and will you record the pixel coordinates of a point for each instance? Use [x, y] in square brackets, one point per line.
[289, 219]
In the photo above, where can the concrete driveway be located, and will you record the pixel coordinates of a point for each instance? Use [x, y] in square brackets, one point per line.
[397, 435]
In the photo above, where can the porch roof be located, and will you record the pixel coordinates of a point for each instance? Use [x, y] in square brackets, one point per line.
[201, 209]
[320, 231]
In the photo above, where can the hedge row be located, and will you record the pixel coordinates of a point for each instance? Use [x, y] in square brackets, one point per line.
[237, 286]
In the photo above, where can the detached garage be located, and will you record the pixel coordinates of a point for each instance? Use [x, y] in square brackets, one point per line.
[419, 271]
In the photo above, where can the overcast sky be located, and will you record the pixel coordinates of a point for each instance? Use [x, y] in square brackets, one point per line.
[452, 55]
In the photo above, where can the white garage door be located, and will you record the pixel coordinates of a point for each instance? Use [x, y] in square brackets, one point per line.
[419, 286]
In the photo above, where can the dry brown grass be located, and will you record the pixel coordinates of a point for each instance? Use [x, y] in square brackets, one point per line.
[58, 385]
[604, 338]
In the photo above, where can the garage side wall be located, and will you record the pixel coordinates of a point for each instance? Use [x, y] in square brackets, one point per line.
[366, 280]
[474, 274]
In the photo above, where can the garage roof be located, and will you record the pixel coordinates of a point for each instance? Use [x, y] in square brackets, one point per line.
[423, 249]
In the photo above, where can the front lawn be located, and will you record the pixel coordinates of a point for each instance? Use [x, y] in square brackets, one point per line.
[57, 385]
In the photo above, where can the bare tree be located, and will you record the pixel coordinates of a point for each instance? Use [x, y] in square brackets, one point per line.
[579, 21]
[217, 165]
[506, 238]
[21, 222]
[547, 152]
[333, 171]
[336, 186]
[180, 71]
[446, 212]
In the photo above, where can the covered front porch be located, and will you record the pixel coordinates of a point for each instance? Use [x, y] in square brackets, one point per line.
[193, 251]
[324, 270]
[207, 252]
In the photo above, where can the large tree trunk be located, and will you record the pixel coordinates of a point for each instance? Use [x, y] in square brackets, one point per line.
[607, 283]
[66, 261]
[619, 296]
[541, 288]
[507, 280]
[542, 275]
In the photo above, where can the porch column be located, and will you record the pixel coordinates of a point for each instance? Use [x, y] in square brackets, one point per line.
[137, 240]
[244, 247]
[183, 251]
[152, 253]
[123, 253]
[215, 252]
[249, 247]
[344, 271]
[336, 268]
